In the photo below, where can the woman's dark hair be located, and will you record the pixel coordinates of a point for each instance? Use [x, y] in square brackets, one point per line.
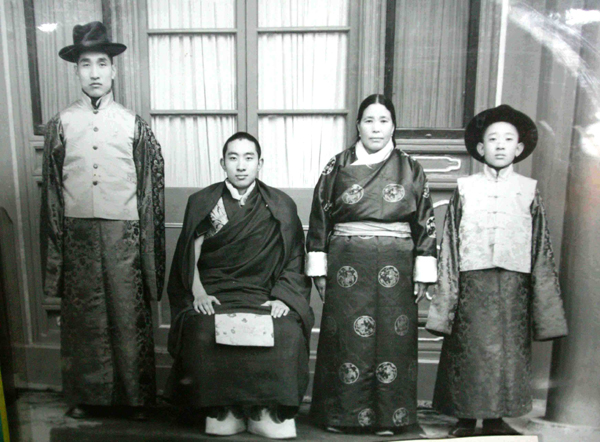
[379, 99]
[242, 136]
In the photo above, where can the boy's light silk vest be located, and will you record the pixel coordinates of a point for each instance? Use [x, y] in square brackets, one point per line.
[496, 225]
[99, 174]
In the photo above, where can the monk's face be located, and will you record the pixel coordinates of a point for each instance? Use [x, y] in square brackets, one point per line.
[241, 164]
[96, 73]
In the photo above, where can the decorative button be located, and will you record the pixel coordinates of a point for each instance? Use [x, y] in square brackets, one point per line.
[95, 166]
[95, 111]
[95, 147]
[95, 129]
[95, 183]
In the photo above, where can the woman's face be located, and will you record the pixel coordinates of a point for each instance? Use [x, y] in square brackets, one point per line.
[375, 127]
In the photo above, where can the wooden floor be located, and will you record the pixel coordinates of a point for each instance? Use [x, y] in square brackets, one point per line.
[40, 417]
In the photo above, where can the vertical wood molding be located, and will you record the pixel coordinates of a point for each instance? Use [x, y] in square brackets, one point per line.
[16, 68]
[371, 50]
[354, 70]
[241, 68]
[252, 66]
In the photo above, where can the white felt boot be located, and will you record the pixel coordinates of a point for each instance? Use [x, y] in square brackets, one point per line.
[267, 427]
[231, 425]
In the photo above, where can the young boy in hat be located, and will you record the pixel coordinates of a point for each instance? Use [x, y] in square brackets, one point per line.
[497, 285]
[102, 235]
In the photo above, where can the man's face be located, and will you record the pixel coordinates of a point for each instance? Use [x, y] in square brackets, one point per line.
[241, 163]
[95, 72]
[500, 145]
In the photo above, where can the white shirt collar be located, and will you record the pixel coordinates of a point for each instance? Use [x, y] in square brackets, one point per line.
[235, 194]
[363, 157]
[494, 174]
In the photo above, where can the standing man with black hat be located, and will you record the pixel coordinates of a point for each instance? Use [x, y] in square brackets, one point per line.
[498, 286]
[102, 235]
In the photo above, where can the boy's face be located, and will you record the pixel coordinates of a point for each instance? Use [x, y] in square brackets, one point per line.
[96, 73]
[241, 164]
[500, 145]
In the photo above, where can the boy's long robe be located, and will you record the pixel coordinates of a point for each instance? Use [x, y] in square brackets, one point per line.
[105, 271]
[488, 318]
[257, 256]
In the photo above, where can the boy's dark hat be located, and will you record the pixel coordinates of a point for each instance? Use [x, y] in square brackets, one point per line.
[527, 129]
[90, 37]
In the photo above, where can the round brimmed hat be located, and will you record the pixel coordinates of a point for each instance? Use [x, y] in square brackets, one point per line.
[527, 129]
[90, 37]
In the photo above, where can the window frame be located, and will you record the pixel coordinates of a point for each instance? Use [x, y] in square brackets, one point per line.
[253, 33]
[470, 75]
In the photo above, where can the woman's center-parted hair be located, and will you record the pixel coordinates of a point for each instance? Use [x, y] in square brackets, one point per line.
[377, 99]
[243, 136]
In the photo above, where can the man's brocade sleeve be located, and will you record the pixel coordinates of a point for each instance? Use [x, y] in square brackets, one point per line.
[422, 228]
[52, 209]
[445, 302]
[549, 320]
[151, 207]
[320, 222]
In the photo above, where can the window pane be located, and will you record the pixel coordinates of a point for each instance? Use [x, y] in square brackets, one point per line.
[299, 13]
[302, 71]
[430, 54]
[296, 148]
[54, 22]
[186, 14]
[191, 147]
[192, 72]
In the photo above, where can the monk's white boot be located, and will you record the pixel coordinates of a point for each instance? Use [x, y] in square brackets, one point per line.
[231, 425]
[267, 427]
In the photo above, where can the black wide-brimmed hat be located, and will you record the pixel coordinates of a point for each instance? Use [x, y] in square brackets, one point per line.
[90, 37]
[526, 128]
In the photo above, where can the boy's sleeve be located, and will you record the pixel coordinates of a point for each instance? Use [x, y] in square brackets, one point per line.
[549, 320]
[443, 306]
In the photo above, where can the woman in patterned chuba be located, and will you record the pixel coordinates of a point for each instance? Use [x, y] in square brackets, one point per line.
[372, 254]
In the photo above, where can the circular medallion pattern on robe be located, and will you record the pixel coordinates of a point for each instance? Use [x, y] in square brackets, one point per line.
[386, 372]
[349, 373]
[329, 167]
[401, 325]
[393, 193]
[353, 194]
[347, 276]
[388, 276]
[400, 417]
[366, 417]
[364, 326]
[431, 227]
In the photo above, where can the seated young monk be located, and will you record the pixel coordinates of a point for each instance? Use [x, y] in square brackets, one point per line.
[239, 299]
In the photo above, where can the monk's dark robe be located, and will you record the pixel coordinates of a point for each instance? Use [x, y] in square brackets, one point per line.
[256, 257]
